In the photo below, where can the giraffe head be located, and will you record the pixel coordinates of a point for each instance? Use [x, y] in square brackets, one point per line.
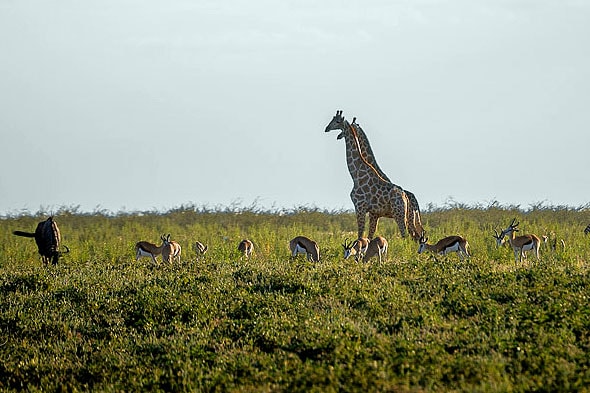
[337, 123]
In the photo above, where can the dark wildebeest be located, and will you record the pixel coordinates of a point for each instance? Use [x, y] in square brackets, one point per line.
[47, 237]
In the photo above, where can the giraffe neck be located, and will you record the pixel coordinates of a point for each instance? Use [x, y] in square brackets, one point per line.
[360, 169]
[366, 151]
[352, 156]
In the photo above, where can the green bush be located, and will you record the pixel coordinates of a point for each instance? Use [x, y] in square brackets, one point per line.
[101, 320]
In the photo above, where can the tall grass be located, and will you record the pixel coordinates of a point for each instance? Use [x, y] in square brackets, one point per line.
[99, 320]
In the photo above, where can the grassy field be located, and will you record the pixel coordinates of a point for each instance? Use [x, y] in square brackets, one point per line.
[101, 321]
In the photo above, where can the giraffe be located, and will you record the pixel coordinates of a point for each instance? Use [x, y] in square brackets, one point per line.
[414, 220]
[370, 193]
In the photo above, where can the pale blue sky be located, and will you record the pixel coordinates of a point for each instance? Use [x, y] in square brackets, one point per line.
[148, 104]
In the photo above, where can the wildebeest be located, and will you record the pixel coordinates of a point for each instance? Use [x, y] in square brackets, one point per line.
[48, 238]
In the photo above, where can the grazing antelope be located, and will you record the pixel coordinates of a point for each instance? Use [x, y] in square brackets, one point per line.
[306, 246]
[521, 244]
[550, 241]
[147, 249]
[200, 248]
[358, 248]
[444, 246]
[48, 238]
[171, 251]
[377, 246]
[587, 230]
[246, 247]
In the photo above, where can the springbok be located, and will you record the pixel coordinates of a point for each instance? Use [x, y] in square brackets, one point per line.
[306, 246]
[377, 246]
[200, 248]
[446, 245]
[521, 244]
[357, 248]
[550, 241]
[48, 238]
[171, 251]
[246, 247]
[147, 249]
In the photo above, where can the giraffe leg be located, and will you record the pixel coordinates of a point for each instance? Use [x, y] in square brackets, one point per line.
[411, 214]
[360, 220]
[402, 223]
[373, 221]
[418, 223]
[401, 210]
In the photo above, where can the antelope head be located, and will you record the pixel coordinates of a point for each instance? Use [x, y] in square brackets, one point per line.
[348, 247]
[423, 240]
[423, 237]
[499, 237]
[200, 248]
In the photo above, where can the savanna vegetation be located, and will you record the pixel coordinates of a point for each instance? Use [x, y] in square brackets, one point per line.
[101, 321]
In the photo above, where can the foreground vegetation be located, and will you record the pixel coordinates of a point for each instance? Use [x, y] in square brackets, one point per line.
[99, 320]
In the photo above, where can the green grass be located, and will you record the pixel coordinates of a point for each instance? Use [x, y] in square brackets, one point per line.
[99, 320]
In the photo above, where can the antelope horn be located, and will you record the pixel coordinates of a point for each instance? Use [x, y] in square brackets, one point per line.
[512, 224]
[423, 236]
